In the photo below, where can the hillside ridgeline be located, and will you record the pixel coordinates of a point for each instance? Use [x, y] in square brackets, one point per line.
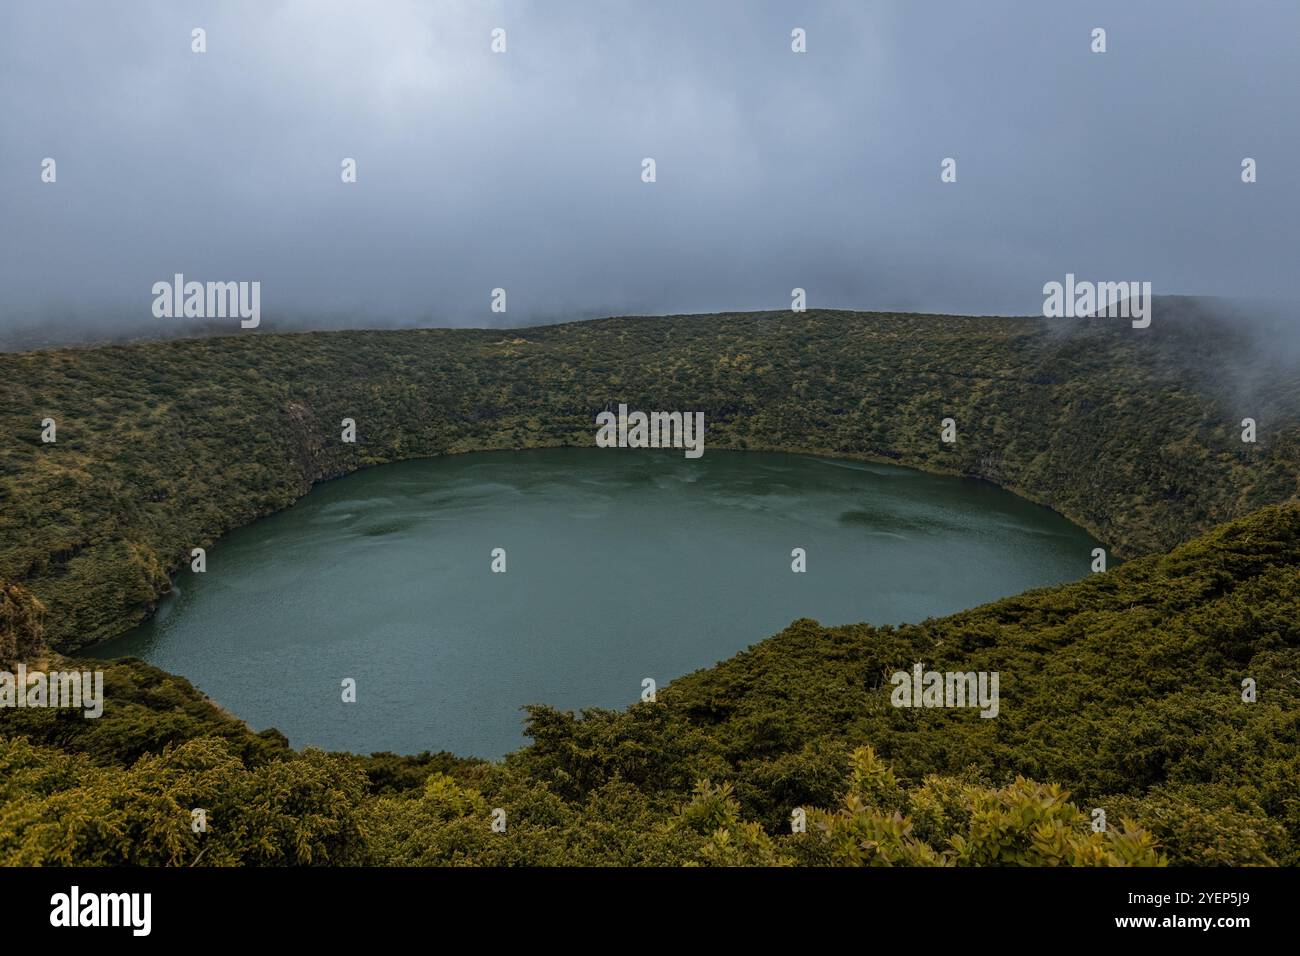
[165, 446]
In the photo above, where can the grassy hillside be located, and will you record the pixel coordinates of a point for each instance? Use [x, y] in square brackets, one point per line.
[165, 446]
[1123, 690]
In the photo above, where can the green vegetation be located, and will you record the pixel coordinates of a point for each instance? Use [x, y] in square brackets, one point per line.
[166, 446]
[1121, 692]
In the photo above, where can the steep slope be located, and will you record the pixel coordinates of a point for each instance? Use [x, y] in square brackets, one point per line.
[1126, 689]
[162, 447]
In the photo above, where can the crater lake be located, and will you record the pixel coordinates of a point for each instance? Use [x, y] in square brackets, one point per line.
[620, 565]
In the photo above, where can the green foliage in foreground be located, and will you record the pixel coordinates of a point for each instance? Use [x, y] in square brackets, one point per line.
[1122, 691]
[314, 809]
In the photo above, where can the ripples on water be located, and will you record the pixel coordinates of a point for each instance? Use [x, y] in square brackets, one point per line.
[622, 564]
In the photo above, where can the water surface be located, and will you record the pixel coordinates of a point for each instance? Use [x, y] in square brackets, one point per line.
[621, 564]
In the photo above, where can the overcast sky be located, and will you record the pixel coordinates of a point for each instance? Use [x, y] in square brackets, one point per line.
[522, 170]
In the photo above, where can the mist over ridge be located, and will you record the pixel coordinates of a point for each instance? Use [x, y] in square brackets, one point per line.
[520, 171]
